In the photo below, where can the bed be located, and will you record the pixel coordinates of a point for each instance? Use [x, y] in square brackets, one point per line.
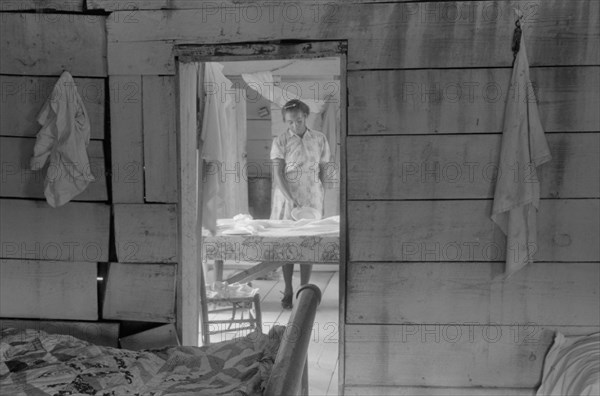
[37, 363]
[572, 367]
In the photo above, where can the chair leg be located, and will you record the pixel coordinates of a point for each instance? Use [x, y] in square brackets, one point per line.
[233, 311]
[257, 312]
[254, 321]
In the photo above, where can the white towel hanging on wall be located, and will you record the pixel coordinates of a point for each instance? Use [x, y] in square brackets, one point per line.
[524, 147]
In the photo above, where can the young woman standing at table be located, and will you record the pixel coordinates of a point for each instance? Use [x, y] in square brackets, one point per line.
[299, 156]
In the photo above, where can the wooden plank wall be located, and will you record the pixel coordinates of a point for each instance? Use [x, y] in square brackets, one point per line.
[425, 312]
[49, 256]
[99, 333]
[127, 291]
[52, 258]
[425, 94]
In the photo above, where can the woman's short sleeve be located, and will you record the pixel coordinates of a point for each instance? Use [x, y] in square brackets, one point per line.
[325, 152]
[277, 149]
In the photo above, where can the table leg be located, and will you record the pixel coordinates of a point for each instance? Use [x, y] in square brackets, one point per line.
[218, 270]
[254, 272]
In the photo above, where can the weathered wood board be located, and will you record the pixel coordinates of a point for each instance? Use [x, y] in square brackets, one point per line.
[39, 5]
[143, 58]
[160, 138]
[127, 147]
[158, 337]
[255, 104]
[33, 230]
[24, 96]
[259, 129]
[48, 290]
[461, 230]
[309, 22]
[140, 292]
[375, 390]
[190, 277]
[112, 5]
[258, 161]
[385, 102]
[98, 333]
[463, 166]
[449, 355]
[47, 44]
[146, 233]
[379, 35]
[541, 293]
[19, 181]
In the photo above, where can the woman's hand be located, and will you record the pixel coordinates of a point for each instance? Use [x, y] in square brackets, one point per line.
[294, 203]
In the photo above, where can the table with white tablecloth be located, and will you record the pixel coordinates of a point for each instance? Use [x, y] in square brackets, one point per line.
[269, 244]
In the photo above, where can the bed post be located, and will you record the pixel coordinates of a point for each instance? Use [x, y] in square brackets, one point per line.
[290, 363]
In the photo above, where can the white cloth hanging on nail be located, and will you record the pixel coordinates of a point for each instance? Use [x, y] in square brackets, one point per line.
[63, 139]
[524, 147]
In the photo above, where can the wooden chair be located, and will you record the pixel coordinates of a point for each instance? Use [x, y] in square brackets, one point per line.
[235, 305]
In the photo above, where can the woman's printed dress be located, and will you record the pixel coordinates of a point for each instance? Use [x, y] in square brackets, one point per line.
[302, 156]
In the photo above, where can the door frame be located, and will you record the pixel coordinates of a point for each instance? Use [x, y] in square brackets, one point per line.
[189, 169]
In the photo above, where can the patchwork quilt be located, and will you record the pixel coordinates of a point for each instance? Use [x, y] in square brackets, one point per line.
[36, 363]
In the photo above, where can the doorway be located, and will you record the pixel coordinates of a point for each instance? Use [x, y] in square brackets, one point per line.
[313, 72]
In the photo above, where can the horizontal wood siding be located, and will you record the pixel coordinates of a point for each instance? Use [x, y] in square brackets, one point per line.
[24, 96]
[39, 5]
[425, 258]
[463, 166]
[144, 58]
[463, 231]
[140, 292]
[47, 44]
[450, 292]
[48, 290]
[127, 145]
[50, 255]
[146, 233]
[19, 181]
[394, 102]
[160, 138]
[99, 333]
[435, 391]
[379, 35]
[450, 355]
[426, 313]
[111, 5]
[34, 230]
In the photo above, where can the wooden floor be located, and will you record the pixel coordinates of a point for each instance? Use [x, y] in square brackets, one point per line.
[323, 349]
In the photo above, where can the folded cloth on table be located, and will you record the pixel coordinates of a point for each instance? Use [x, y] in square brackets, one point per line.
[240, 230]
[243, 224]
[246, 225]
[329, 226]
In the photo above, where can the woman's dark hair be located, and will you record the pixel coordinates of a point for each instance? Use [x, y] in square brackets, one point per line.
[294, 105]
